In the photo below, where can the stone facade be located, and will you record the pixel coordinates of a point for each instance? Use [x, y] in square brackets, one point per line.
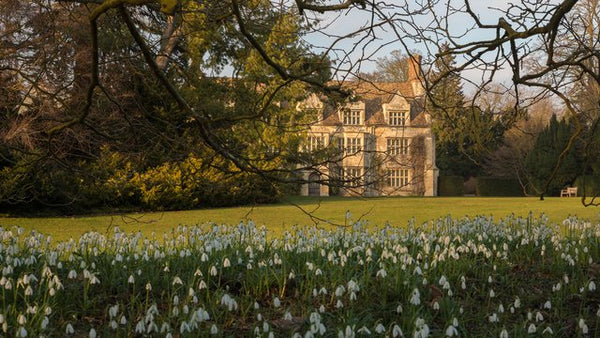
[386, 145]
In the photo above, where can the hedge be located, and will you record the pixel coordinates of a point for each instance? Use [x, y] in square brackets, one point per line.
[591, 183]
[498, 186]
[451, 186]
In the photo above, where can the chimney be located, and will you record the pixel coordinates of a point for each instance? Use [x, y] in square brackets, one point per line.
[414, 67]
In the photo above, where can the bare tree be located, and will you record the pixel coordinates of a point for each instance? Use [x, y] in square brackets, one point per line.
[544, 46]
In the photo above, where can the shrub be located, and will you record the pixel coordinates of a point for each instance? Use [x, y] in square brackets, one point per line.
[451, 186]
[498, 186]
[589, 184]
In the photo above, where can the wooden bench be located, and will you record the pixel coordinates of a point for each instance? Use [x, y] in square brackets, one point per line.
[569, 192]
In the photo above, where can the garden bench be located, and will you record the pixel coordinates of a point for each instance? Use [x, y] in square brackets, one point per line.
[569, 192]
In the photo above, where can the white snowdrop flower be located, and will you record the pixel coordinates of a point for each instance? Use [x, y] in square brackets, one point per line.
[424, 282]
[493, 318]
[21, 319]
[531, 328]
[436, 305]
[140, 327]
[214, 330]
[548, 330]
[339, 291]
[547, 305]
[490, 280]
[259, 317]
[501, 308]
[131, 279]
[397, 331]
[442, 280]
[177, 281]
[226, 262]
[539, 317]
[566, 279]
[123, 320]
[93, 333]
[380, 328]
[592, 286]
[364, 330]
[113, 324]
[113, 311]
[201, 285]
[318, 272]
[256, 306]
[2, 318]
[517, 303]
[492, 293]
[323, 291]
[45, 323]
[322, 309]
[381, 273]
[276, 302]
[148, 287]
[213, 270]
[28, 291]
[415, 297]
[291, 275]
[184, 327]
[339, 304]
[21, 332]
[352, 296]
[72, 274]
[503, 333]
[69, 329]
[198, 273]
[451, 331]
[583, 326]
[266, 327]
[399, 308]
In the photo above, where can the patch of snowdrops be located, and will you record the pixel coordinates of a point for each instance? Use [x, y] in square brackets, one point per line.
[470, 277]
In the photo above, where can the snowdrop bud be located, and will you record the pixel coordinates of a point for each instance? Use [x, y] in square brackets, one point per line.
[214, 330]
[148, 287]
[504, 333]
[592, 286]
[123, 320]
[276, 302]
[226, 263]
[69, 329]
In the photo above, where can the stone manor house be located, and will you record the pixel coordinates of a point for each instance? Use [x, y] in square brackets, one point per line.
[384, 139]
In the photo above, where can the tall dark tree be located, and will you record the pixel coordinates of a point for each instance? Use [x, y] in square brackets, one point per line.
[541, 161]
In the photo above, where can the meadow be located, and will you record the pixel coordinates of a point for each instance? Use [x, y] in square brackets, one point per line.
[396, 211]
[480, 276]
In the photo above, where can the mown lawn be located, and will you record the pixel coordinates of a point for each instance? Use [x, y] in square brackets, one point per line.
[308, 211]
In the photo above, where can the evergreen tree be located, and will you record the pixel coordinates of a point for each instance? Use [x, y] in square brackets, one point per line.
[542, 161]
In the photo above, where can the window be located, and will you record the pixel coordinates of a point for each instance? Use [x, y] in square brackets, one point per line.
[397, 118]
[397, 146]
[351, 117]
[353, 175]
[397, 178]
[316, 142]
[353, 145]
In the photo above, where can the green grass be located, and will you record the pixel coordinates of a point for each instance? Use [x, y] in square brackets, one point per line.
[280, 217]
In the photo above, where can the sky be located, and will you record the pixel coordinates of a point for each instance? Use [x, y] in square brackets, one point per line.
[387, 40]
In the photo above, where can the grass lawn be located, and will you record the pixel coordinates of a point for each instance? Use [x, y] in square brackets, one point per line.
[280, 217]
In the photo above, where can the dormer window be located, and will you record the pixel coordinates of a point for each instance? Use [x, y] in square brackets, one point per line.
[352, 117]
[397, 118]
